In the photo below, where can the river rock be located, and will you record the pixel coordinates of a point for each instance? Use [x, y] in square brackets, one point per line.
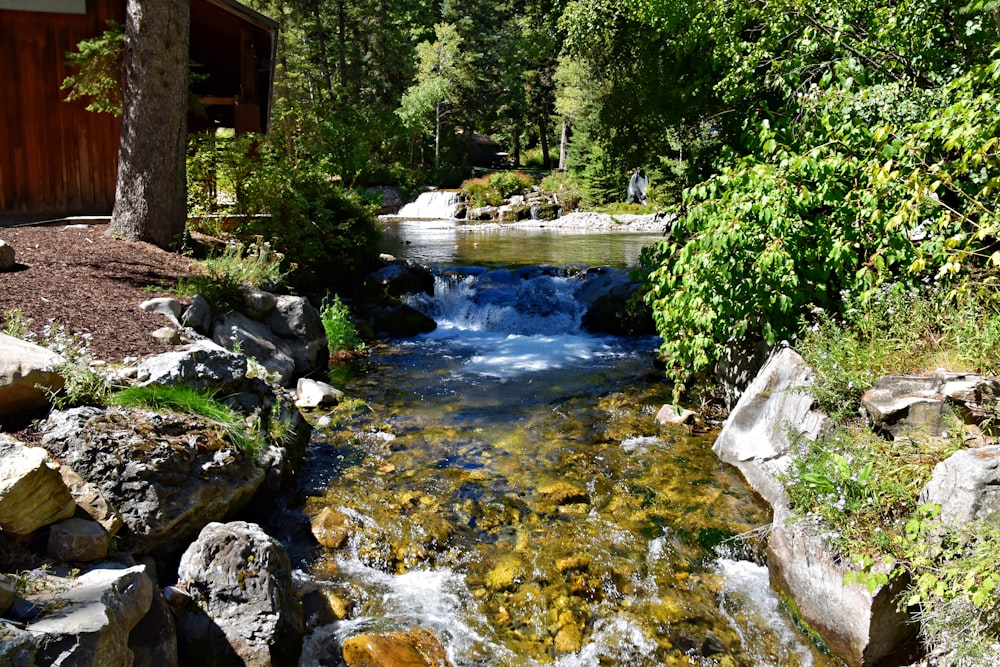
[672, 414]
[400, 320]
[899, 405]
[7, 256]
[32, 493]
[198, 315]
[332, 528]
[167, 306]
[244, 606]
[255, 339]
[415, 648]
[755, 437]
[313, 393]
[8, 591]
[26, 370]
[201, 365]
[17, 647]
[257, 304]
[168, 475]
[398, 278]
[90, 617]
[860, 628]
[966, 485]
[78, 541]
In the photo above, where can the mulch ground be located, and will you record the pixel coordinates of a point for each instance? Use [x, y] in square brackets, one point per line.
[81, 277]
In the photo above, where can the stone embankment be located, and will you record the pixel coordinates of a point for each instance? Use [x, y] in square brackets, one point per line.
[759, 438]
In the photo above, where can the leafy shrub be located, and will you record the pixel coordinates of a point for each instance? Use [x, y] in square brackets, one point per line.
[341, 334]
[223, 278]
[300, 209]
[493, 189]
[566, 188]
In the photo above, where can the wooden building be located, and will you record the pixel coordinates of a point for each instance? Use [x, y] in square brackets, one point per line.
[58, 159]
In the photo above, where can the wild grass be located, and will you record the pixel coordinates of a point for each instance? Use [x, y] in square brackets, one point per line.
[222, 278]
[187, 401]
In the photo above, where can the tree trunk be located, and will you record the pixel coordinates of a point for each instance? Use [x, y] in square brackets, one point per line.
[563, 145]
[151, 192]
[543, 134]
[437, 137]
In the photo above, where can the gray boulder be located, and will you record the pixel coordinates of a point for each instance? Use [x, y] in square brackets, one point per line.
[257, 304]
[17, 647]
[312, 394]
[202, 365]
[244, 609]
[966, 485]
[25, 368]
[860, 628]
[32, 493]
[168, 475]
[7, 260]
[255, 339]
[90, 617]
[198, 315]
[755, 437]
[900, 405]
[298, 323]
[168, 307]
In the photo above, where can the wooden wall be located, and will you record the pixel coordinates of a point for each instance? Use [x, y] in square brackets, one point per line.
[55, 157]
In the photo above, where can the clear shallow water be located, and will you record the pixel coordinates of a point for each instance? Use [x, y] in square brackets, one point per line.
[508, 489]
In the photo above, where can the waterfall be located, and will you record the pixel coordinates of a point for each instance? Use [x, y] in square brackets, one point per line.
[433, 205]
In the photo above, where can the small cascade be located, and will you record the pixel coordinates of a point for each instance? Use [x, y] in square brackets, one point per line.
[432, 205]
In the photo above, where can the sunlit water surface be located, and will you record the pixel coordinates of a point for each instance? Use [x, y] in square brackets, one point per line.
[510, 490]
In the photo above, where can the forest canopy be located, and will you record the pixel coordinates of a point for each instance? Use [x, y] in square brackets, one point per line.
[816, 154]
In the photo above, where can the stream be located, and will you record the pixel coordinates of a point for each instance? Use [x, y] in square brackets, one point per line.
[505, 485]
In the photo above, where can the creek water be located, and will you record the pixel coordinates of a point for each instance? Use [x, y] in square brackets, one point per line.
[508, 488]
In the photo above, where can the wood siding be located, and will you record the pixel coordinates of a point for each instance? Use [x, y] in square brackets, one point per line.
[55, 157]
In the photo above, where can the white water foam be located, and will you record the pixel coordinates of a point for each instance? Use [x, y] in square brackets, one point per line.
[754, 610]
[509, 326]
[435, 204]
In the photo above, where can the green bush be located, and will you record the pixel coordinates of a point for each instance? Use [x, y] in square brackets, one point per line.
[300, 209]
[566, 188]
[341, 334]
[493, 189]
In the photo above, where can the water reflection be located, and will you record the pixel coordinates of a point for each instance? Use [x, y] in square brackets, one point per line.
[449, 242]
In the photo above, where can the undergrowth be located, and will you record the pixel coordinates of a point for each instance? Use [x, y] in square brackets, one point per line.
[341, 334]
[860, 490]
[222, 279]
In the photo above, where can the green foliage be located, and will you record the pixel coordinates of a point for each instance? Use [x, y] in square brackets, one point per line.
[493, 189]
[897, 332]
[184, 400]
[101, 62]
[859, 488]
[83, 384]
[566, 188]
[300, 209]
[224, 277]
[341, 334]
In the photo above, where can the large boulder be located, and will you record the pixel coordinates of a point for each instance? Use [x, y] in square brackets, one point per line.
[297, 322]
[26, 370]
[925, 404]
[755, 438]
[168, 475]
[244, 610]
[861, 628]
[32, 493]
[966, 485]
[202, 365]
[255, 339]
[17, 647]
[89, 618]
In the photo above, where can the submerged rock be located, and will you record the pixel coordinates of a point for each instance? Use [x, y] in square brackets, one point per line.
[415, 648]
